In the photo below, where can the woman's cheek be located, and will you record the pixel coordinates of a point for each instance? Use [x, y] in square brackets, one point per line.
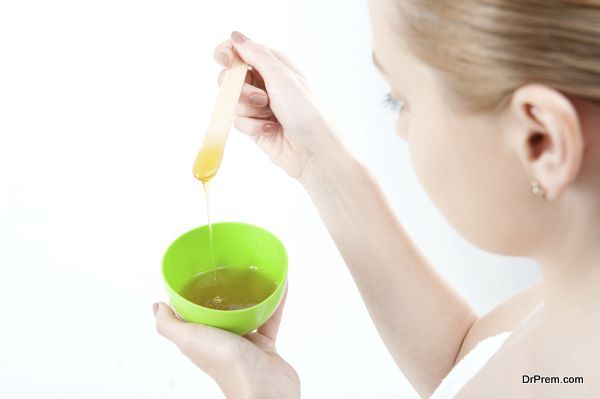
[422, 158]
[403, 125]
[431, 157]
[454, 181]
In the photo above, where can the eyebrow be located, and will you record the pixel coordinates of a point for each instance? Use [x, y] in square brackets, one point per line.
[378, 64]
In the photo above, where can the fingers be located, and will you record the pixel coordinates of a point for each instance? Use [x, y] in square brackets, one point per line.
[257, 79]
[258, 56]
[223, 53]
[253, 112]
[254, 96]
[251, 95]
[271, 327]
[256, 127]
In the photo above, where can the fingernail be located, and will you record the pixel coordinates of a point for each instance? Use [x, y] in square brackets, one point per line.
[238, 37]
[223, 59]
[155, 308]
[270, 128]
[260, 100]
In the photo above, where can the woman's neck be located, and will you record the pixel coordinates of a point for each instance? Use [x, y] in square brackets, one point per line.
[571, 268]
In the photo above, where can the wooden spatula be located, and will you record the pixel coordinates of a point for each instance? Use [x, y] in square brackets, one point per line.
[209, 157]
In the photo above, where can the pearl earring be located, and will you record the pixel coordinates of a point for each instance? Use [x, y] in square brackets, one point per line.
[537, 189]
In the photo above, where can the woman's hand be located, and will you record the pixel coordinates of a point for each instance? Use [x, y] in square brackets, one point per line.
[277, 108]
[244, 367]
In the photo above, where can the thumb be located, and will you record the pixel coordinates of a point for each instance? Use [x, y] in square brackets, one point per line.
[208, 347]
[168, 324]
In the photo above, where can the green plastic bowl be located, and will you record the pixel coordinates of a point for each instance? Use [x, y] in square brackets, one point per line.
[236, 245]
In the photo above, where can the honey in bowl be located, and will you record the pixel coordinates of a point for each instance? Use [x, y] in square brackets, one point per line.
[228, 288]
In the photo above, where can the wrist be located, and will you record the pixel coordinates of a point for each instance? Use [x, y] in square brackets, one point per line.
[333, 166]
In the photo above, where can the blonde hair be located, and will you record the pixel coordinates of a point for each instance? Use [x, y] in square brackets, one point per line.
[486, 49]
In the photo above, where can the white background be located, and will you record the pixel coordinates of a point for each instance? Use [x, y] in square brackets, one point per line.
[103, 106]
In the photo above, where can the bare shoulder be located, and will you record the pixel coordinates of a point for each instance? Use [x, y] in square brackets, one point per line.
[565, 350]
[552, 358]
[505, 317]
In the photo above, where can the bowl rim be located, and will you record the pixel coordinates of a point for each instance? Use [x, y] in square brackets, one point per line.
[249, 308]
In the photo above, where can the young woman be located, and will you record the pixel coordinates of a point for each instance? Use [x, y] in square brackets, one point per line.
[499, 101]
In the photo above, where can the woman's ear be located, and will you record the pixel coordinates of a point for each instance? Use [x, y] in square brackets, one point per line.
[549, 140]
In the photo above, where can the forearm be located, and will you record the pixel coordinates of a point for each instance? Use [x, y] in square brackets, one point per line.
[421, 319]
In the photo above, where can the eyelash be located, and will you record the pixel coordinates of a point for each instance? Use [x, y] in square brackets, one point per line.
[390, 102]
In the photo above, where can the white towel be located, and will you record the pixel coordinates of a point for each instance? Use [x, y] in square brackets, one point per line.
[469, 365]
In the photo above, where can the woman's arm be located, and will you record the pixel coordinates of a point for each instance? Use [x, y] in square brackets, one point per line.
[421, 319]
